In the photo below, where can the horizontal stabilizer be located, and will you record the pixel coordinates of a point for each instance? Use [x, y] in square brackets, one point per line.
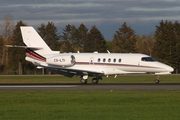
[33, 48]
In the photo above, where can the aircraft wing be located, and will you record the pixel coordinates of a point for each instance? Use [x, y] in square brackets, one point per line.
[72, 72]
[94, 71]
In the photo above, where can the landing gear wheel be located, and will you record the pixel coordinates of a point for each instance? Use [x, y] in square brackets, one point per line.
[83, 81]
[95, 81]
[157, 81]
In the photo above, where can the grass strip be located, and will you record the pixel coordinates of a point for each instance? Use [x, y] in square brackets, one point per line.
[88, 105]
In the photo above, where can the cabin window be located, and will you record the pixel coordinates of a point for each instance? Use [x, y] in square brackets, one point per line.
[148, 59]
[114, 60]
[109, 60]
[99, 60]
[104, 60]
[119, 60]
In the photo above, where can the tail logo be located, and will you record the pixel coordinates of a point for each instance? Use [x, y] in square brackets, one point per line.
[34, 55]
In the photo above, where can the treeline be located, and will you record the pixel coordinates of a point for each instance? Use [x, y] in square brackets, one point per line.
[163, 45]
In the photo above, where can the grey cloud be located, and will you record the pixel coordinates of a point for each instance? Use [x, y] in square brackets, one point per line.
[91, 12]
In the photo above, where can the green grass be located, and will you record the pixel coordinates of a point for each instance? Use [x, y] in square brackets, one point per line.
[88, 105]
[84, 105]
[110, 79]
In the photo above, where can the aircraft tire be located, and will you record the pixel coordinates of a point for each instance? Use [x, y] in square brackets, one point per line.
[83, 81]
[157, 81]
[95, 81]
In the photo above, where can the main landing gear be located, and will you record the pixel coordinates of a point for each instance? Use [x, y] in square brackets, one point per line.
[157, 80]
[95, 80]
[84, 79]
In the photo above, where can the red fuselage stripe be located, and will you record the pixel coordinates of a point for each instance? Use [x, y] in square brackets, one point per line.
[111, 64]
[35, 55]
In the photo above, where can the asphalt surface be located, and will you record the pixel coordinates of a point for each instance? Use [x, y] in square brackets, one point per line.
[91, 87]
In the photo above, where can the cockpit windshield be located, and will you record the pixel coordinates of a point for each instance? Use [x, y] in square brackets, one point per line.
[148, 59]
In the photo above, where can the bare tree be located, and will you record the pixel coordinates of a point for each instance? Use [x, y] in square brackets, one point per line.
[7, 27]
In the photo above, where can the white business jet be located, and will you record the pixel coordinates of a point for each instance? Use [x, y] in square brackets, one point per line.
[88, 64]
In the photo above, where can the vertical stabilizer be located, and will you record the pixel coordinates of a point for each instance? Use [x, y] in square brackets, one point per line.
[32, 39]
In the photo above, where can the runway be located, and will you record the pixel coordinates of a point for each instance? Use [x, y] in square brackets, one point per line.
[91, 87]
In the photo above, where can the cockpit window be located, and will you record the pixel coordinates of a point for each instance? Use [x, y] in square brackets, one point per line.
[148, 59]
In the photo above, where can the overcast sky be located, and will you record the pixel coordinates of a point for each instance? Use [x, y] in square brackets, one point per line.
[108, 15]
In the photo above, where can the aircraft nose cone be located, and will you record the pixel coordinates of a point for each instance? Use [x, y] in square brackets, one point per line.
[170, 69]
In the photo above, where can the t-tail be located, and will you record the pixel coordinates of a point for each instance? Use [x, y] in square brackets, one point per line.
[35, 47]
[33, 41]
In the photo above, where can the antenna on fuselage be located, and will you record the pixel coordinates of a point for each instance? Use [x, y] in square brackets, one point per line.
[108, 51]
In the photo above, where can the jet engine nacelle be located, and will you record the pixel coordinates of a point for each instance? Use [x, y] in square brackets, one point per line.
[62, 60]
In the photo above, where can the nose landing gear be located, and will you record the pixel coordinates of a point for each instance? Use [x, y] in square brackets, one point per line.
[157, 80]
